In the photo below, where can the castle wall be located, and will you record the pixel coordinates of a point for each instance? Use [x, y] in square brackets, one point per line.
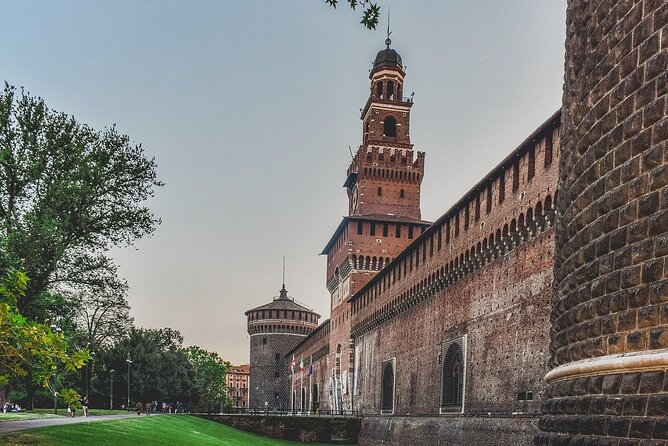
[499, 308]
[608, 384]
[315, 351]
[482, 273]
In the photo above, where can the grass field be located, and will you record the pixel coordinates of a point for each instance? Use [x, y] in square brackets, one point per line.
[167, 430]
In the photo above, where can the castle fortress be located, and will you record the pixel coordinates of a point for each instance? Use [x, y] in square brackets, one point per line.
[520, 316]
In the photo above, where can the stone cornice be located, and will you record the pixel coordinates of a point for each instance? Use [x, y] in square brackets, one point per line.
[646, 361]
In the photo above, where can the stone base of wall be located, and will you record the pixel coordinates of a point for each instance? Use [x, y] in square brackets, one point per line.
[448, 431]
[304, 429]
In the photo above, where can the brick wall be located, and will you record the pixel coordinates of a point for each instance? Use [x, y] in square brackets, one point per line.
[610, 321]
[264, 365]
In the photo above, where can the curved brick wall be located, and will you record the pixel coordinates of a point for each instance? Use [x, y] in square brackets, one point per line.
[608, 385]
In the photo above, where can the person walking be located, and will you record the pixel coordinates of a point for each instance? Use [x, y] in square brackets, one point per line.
[84, 405]
[139, 407]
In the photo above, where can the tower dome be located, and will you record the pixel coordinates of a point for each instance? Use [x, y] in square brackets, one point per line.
[387, 58]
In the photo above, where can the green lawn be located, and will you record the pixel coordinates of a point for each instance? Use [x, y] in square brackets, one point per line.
[168, 430]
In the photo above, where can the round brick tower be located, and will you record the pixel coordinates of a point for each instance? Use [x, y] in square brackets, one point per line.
[274, 329]
[609, 345]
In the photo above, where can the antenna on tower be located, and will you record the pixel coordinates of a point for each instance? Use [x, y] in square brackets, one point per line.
[284, 272]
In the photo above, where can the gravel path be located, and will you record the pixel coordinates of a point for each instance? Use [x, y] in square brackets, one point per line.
[14, 426]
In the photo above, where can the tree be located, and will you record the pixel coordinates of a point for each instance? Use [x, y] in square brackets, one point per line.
[67, 194]
[160, 369]
[370, 11]
[101, 316]
[28, 347]
[210, 371]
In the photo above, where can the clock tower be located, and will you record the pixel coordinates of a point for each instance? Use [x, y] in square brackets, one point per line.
[383, 186]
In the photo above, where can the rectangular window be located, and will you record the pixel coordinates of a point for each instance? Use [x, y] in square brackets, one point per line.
[264, 341]
[516, 175]
[385, 229]
[440, 236]
[466, 216]
[457, 224]
[477, 207]
[410, 231]
[447, 232]
[531, 169]
[424, 250]
[489, 200]
[548, 150]
[417, 256]
[372, 229]
[502, 187]
[398, 231]
[360, 227]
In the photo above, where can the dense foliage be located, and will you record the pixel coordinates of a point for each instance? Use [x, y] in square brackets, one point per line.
[67, 193]
[210, 372]
[28, 347]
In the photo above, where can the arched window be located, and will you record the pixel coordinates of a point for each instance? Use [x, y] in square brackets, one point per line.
[387, 394]
[390, 90]
[379, 90]
[452, 394]
[390, 127]
[380, 191]
[402, 194]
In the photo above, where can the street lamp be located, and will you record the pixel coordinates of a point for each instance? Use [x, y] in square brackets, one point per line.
[129, 362]
[91, 360]
[57, 329]
[111, 389]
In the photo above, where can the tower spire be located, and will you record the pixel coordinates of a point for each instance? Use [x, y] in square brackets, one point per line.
[283, 272]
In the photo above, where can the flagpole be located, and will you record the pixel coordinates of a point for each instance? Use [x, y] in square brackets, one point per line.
[310, 386]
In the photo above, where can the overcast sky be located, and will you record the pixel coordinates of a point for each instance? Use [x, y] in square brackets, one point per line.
[249, 108]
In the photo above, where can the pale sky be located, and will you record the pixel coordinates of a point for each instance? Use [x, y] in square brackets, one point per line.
[249, 108]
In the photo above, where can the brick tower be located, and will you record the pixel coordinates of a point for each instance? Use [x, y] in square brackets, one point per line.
[609, 337]
[383, 185]
[274, 329]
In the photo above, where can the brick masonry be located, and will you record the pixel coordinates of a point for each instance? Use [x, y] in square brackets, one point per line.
[612, 237]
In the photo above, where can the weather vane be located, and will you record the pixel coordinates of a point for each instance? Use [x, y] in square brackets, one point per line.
[388, 41]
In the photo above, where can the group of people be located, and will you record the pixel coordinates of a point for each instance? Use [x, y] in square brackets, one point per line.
[9, 407]
[146, 408]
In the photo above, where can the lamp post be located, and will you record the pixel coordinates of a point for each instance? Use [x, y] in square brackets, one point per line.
[111, 389]
[57, 329]
[87, 381]
[129, 362]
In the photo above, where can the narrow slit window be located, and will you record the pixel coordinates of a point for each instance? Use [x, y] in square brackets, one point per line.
[531, 168]
[548, 150]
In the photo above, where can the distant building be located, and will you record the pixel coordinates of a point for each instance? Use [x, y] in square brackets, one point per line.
[238, 383]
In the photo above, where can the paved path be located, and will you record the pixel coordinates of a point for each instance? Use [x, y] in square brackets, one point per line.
[19, 425]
